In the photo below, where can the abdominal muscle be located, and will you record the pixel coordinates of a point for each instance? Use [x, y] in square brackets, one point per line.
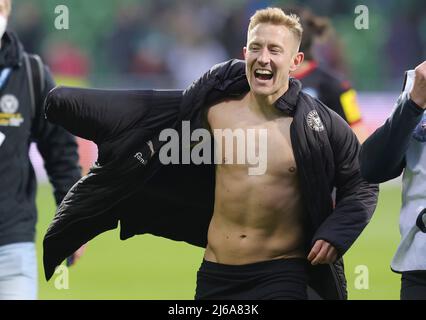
[256, 218]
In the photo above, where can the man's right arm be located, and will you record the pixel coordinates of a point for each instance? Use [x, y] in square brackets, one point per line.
[382, 156]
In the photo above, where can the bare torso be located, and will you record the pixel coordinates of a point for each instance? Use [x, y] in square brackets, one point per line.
[256, 217]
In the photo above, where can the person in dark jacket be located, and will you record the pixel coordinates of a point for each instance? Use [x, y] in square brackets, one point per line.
[317, 152]
[399, 146]
[24, 84]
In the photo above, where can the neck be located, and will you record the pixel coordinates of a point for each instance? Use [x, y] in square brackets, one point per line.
[266, 104]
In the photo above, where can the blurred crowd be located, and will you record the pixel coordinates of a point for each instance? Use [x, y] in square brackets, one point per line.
[168, 44]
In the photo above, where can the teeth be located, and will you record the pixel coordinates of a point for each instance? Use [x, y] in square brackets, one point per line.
[266, 72]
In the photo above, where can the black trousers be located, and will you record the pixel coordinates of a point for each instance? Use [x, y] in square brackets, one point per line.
[413, 285]
[281, 279]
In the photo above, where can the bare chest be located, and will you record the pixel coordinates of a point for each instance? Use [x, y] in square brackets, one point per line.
[246, 139]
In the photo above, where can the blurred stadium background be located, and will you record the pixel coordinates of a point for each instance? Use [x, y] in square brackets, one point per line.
[167, 44]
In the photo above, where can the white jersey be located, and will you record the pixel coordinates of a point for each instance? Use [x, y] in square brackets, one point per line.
[411, 253]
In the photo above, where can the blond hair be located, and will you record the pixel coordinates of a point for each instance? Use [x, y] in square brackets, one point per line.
[277, 16]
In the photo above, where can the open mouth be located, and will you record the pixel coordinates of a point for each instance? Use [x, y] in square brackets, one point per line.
[263, 74]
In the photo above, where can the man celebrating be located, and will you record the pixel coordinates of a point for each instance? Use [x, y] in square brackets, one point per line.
[266, 236]
[260, 218]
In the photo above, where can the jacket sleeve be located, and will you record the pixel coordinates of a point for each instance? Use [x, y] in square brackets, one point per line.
[57, 147]
[382, 155]
[99, 115]
[356, 199]
[113, 119]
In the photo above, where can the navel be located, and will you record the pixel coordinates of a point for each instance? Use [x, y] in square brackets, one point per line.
[243, 236]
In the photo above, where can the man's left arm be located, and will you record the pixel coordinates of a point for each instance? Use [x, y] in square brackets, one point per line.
[356, 199]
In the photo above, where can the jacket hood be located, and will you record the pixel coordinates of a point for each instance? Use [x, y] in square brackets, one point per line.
[11, 51]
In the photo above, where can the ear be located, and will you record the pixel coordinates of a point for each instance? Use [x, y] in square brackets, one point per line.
[245, 53]
[297, 61]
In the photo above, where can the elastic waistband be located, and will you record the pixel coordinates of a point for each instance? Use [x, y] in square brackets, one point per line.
[278, 264]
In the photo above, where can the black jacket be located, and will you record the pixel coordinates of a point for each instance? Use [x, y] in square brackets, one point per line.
[176, 201]
[21, 124]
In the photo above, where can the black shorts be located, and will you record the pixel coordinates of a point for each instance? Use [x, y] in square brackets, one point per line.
[413, 285]
[281, 279]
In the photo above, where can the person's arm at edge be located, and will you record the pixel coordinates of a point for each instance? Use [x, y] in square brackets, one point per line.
[382, 156]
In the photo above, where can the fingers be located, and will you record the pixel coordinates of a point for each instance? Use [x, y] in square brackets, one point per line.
[322, 253]
[418, 93]
[331, 255]
[315, 250]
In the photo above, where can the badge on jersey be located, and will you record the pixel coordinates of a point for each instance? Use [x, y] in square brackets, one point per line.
[9, 106]
[314, 121]
[350, 106]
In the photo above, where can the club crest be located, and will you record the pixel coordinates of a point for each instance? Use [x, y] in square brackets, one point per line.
[9, 104]
[314, 121]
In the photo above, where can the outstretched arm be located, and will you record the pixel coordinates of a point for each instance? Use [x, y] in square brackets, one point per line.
[113, 119]
[95, 114]
[383, 153]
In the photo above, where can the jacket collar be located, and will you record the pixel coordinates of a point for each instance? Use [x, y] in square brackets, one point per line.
[287, 103]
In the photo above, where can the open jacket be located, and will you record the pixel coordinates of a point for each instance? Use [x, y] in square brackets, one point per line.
[129, 184]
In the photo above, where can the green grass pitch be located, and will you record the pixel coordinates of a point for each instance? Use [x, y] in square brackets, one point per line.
[147, 267]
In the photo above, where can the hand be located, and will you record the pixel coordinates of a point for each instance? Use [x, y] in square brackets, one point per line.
[418, 93]
[322, 253]
[77, 255]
